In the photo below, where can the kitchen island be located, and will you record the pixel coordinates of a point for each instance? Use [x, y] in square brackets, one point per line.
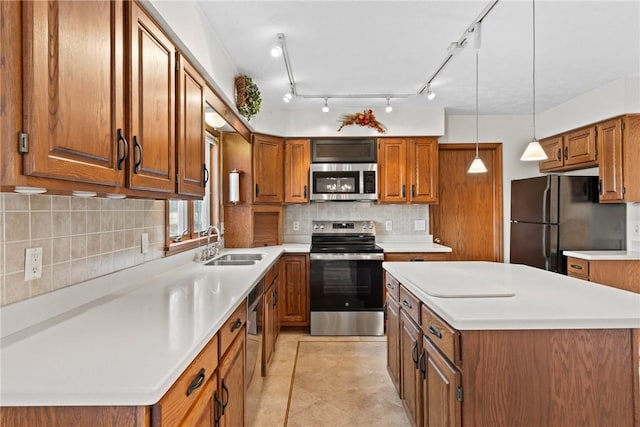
[480, 343]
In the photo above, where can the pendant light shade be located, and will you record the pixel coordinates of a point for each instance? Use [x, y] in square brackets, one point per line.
[534, 151]
[477, 166]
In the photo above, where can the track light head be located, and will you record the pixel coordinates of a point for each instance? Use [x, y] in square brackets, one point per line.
[389, 108]
[276, 51]
[287, 97]
[430, 94]
[325, 108]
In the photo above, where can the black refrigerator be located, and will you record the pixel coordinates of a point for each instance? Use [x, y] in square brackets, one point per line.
[554, 213]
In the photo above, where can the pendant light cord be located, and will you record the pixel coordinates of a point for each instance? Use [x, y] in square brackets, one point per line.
[477, 104]
[534, 69]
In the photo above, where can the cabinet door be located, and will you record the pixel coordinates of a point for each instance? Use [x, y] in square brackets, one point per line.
[204, 411]
[580, 148]
[294, 291]
[423, 168]
[191, 139]
[393, 341]
[610, 165]
[74, 91]
[269, 330]
[442, 407]
[153, 130]
[232, 382]
[411, 384]
[392, 170]
[267, 169]
[553, 149]
[297, 157]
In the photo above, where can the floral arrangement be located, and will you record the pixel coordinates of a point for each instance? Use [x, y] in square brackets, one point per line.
[248, 98]
[365, 119]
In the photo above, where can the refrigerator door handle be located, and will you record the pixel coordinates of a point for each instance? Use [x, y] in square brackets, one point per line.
[545, 255]
[545, 196]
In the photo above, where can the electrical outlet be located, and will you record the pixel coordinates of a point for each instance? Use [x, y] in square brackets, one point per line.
[388, 225]
[32, 264]
[636, 230]
[144, 244]
[419, 225]
[296, 225]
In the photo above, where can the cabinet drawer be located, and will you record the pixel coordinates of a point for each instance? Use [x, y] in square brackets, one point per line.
[232, 327]
[410, 304]
[184, 393]
[417, 256]
[443, 336]
[393, 287]
[577, 267]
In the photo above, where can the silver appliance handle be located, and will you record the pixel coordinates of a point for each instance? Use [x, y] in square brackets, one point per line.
[546, 257]
[347, 257]
[545, 195]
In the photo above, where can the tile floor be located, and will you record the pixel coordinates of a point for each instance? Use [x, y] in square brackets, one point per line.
[326, 381]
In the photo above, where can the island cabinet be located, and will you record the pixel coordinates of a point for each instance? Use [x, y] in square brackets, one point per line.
[297, 159]
[572, 150]
[268, 157]
[294, 290]
[408, 170]
[513, 377]
[392, 316]
[621, 274]
[410, 349]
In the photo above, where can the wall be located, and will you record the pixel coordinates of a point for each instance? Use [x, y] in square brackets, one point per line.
[402, 217]
[81, 239]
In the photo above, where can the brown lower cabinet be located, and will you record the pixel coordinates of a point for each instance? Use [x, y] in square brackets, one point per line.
[294, 290]
[393, 336]
[545, 377]
[231, 385]
[621, 274]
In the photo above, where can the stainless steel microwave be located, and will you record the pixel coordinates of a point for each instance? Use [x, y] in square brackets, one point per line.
[344, 181]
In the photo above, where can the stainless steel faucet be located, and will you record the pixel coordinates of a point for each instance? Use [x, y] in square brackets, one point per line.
[216, 246]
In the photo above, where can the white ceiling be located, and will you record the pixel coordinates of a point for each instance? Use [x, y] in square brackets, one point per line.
[394, 47]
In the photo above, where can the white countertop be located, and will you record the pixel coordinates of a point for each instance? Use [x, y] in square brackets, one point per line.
[127, 346]
[604, 255]
[542, 299]
[413, 247]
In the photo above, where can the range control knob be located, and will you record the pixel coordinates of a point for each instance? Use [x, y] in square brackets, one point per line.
[321, 226]
[315, 226]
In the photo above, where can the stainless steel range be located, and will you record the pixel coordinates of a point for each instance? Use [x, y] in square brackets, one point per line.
[346, 279]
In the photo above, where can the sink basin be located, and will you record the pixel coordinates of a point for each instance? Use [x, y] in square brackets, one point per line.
[221, 261]
[241, 257]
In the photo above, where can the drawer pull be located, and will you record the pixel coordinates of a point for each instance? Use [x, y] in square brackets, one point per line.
[416, 260]
[576, 266]
[390, 286]
[414, 353]
[407, 303]
[422, 362]
[197, 382]
[236, 325]
[217, 409]
[434, 331]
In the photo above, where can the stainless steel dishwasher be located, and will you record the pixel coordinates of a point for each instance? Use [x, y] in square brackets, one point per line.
[255, 329]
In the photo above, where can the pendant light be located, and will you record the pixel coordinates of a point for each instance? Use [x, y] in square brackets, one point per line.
[534, 151]
[477, 166]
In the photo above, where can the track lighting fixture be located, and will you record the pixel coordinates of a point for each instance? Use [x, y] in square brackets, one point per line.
[287, 97]
[325, 108]
[276, 51]
[389, 108]
[430, 94]
[477, 166]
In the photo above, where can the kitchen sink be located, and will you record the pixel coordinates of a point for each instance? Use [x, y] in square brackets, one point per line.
[240, 257]
[227, 261]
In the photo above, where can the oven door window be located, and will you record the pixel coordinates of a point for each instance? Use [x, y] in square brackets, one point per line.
[346, 285]
[343, 182]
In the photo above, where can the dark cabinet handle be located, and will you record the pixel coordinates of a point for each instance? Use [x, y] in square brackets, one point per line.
[416, 260]
[414, 353]
[197, 382]
[413, 191]
[390, 286]
[599, 186]
[236, 325]
[384, 309]
[257, 190]
[206, 174]
[404, 190]
[434, 331]
[275, 297]
[407, 303]
[304, 192]
[422, 362]
[566, 153]
[576, 266]
[225, 400]
[559, 154]
[137, 160]
[217, 409]
[122, 141]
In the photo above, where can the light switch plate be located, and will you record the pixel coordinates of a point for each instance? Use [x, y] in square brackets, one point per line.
[144, 244]
[419, 225]
[32, 264]
[388, 225]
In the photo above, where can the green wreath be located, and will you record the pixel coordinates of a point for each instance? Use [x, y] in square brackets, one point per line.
[248, 98]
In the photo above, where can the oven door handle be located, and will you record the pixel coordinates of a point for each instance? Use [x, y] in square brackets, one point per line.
[347, 257]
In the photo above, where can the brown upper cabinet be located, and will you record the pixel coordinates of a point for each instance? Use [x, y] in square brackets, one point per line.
[152, 143]
[73, 91]
[408, 170]
[192, 170]
[268, 175]
[572, 150]
[297, 159]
